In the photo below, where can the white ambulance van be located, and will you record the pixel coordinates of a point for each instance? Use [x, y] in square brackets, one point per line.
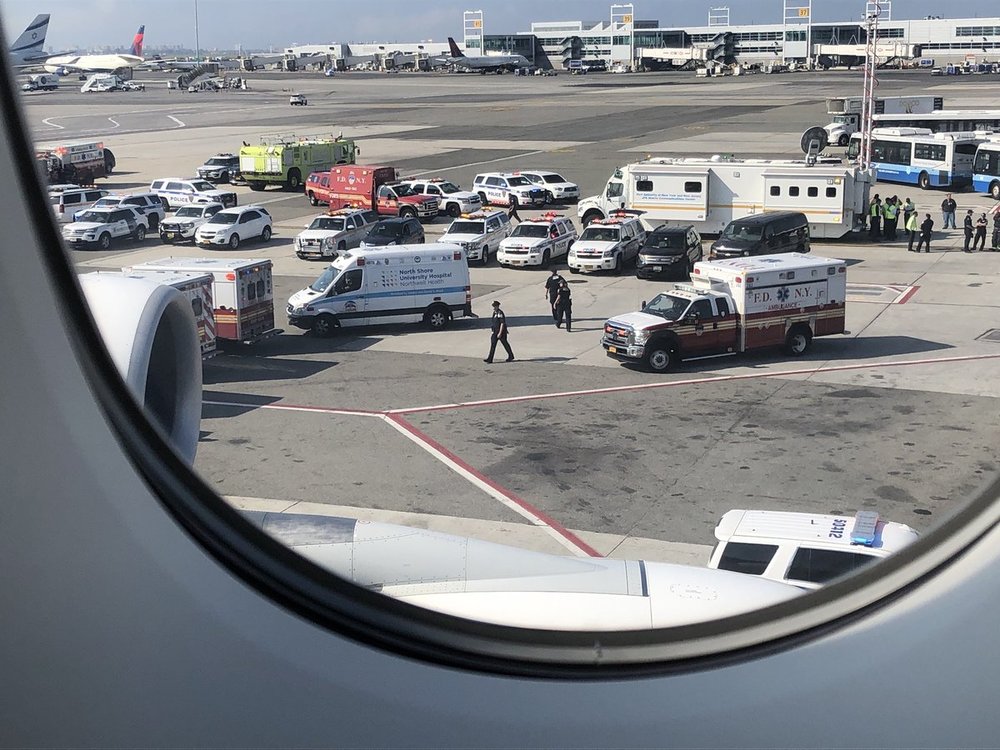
[401, 284]
[807, 550]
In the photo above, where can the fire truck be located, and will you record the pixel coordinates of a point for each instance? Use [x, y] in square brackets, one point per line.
[286, 160]
[375, 188]
[76, 163]
[732, 306]
[242, 293]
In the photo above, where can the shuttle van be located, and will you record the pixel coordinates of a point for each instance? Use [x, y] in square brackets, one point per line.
[764, 234]
[401, 284]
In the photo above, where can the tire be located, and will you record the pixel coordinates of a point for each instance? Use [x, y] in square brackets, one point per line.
[619, 265]
[843, 140]
[407, 213]
[139, 234]
[995, 191]
[256, 185]
[798, 340]
[924, 181]
[661, 356]
[341, 247]
[485, 259]
[265, 234]
[325, 325]
[104, 241]
[154, 223]
[574, 270]
[591, 216]
[549, 198]
[234, 242]
[454, 210]
[437, 317]
[312, 199]
[294, 181]
[482, 199]
[546, 259]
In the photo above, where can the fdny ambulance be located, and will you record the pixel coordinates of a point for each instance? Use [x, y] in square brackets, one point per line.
[733, 306]
[242, 293]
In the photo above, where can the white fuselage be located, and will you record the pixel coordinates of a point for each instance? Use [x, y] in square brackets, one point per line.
[91, 63]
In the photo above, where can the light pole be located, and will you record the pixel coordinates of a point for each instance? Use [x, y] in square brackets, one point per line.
[197, 41]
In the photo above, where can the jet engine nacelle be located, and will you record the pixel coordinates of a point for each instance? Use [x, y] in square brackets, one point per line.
[149, 329]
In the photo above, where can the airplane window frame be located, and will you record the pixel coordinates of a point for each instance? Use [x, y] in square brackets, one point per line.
[319, 596]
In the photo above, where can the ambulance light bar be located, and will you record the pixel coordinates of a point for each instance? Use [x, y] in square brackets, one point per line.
[865, 528]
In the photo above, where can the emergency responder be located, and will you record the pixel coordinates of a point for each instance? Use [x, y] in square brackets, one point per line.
[908, 210]
[890, 217]
[981, 224]
[948, 206]
[995, 243]
[499, 333]
[875, 219]
[926, 229]
[911, 228]
[969, 229]
[552, 289]
[564, 306]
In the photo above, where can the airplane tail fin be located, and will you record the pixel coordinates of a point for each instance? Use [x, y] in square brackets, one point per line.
[455, 51]
[32, 38]
[136, 48]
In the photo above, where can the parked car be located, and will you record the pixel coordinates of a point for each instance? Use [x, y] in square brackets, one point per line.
[221, 168]
[233, 226]
[329, 235]
[669, 251]
[764, 234]
[98, 227]
[149, 205]
[176, 192]
[479, 234]
[67, 200]
[556, 187]
[298, 100]
[182, 225]
[395, 231]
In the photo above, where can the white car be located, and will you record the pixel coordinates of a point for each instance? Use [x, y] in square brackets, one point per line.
[557, 187]
[607, 245]
[182, 225]
[331, 234]
[180, 192]
[69, 200]
[452, 200]
[148, 204]
[536, 242]
[233, 226]
[507, 189]
[298, 100]
[478, 234]
[98, 227]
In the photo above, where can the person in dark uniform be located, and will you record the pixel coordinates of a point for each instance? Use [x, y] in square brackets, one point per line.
[926, 229]
[499, 334]
[512, 211]
[969, 229]
[875, 219]
[564, 306]
[995, 240]
[980, 242]
[551, 289]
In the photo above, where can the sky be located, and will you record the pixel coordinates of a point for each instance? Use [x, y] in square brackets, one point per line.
[260, 24]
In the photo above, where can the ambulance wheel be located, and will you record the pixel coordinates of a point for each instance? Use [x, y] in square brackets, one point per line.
[294, 181]
[234, 242]
[454, 210]
[325, 325]
[661, 357]
[140, 233]
[104, 241]
[437, 317]
[995, 191]
[265, 234]
[798, 340]
[924, 181]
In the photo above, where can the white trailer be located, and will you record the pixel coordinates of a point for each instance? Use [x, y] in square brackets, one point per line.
[846, 111]
[709, 193]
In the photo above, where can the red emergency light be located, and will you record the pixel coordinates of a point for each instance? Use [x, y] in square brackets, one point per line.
[230, 277]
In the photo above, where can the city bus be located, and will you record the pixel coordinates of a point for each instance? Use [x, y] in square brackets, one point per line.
[917, 156]
[986, 170]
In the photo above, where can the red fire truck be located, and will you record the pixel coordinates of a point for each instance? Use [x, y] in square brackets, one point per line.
[374, 188]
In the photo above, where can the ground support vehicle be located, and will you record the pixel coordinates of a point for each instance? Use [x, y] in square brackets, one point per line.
[607, 244]
[286, 161]
[242, 294]
[41, 82]
[375, 188]
[709, 193]
[479, 234]
[99, 227]
[79, 163]
[846, 111]
[807, 550]
[536, 242]
[918, 156]
[330, 235]
[734, 306]
[401, 284]
[452, 200]
[986, 169]
[298, 100]
[182, 226]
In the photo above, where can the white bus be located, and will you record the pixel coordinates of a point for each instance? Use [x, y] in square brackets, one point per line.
[986, 169]
[917, 156]
[944, 121]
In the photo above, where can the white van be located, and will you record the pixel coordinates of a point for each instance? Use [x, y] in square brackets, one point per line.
[400, 284]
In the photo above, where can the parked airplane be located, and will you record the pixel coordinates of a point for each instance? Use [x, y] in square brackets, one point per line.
[27, 48]
[63, 64]
[485, 63]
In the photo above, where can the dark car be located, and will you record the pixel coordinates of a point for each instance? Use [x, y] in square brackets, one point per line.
[221, 168]
[764, 234]
[406, 231]
[669, 251]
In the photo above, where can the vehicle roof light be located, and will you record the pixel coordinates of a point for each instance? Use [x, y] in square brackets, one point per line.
[865, 528]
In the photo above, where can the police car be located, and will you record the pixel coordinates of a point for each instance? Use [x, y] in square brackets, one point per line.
[535, 242]
[452, 200]
[99, 226]
[478, 234]
[607, 244]
[180, 192]
[182, 225]
[557, 187]
[806, 550]
[508, 189]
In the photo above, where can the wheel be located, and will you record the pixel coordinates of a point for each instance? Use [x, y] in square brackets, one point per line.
[437, 317]
[224, 177]
[234, 242]
[574, 270]
[661, 356]
[484, 259]
[265, 234]
[798, 340]
[688, 268]
[482, 199]
[454, 210]
[995, 191]
[341, 248]
[843, 140]
[545, 259]
[140, 233]
[619, 265]
[154, 222]
[294, 181]
[312, 199]
[591, 216]
[924, 181]
[104, 241]
[407, 213]
[549, 198]
[256, 185]
[325, 325]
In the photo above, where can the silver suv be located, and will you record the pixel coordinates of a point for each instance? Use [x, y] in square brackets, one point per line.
[479, 234]
[331, 234]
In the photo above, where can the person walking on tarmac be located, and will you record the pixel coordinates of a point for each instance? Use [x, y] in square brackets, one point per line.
[512, 211]
[967, 226]
[995, 243]
[911, 228]
[875, 219]
[980, 242]
[552, 289]
[499, 334]
[926, 228]
[948, 206]
[890, 218]
[564, 306]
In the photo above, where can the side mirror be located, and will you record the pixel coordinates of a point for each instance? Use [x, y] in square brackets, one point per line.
[642, 305]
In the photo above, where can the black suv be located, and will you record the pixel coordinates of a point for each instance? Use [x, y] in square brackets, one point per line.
[669, 250]
[386, 232]
[221, 168]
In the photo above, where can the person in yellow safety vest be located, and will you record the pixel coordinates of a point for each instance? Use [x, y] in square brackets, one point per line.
[911, 228]
[890, 217]
[875, 218]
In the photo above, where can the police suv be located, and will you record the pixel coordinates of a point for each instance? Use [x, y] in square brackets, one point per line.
[452, 200]
[535, 242]
[147, 204]
[182, 225]
[179, 192]
[508, 189]
[221, 168]
[607, 244]
[330, 235]
[478, 234]
[99, 226]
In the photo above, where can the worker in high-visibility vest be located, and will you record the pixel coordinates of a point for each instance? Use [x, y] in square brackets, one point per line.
[911, 228]
[890, 217]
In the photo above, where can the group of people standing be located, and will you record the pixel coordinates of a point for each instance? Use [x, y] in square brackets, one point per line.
[975, 233]
[883, 220]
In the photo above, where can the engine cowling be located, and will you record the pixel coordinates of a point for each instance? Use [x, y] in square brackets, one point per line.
[150, 332]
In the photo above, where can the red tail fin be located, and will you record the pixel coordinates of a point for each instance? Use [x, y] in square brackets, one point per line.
[136, 48]
[455, 51]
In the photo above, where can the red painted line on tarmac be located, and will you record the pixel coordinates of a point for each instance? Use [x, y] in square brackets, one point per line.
[906, 297]
[526, 508]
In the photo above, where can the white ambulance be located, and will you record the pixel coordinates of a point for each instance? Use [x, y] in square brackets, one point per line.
[399, 284]
[806, 550]
[242, 293]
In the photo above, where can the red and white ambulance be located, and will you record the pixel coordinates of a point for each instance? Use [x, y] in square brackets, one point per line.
[733, 306]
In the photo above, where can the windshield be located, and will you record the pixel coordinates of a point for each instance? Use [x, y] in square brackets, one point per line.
[551, 178]
[615, 189]
[325, 279]
[853, 149]
[330, 223]
[403, 190]
[201, 186]
[101, 217]
[465, 227]
[109, 201]
[191, 212]
[387, 230]
[740, 231]
[664, 240]
[517, 181]
[217, 161]
[843, 119]
[530, 230]
[667, 306]
[599, 234]
[447, 187]
[224, 217]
